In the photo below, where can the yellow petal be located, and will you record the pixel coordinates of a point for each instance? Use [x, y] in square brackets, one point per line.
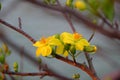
[79, 46]
[67, 38]
[81, 43]
[46, 51]
[54, 42]
[38, 52]
[65, 54]
[39, 44]
[60, 49]
[36, 44]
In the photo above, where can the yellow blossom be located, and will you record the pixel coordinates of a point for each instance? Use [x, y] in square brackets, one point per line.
[74, 39]
[62, 44]
[81, 44]
[44, 46]
[79, 4]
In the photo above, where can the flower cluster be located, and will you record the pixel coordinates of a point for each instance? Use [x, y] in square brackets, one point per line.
[63, 44]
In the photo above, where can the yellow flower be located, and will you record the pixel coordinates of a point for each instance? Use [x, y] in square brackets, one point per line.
[70, 38]
[60, 50]
[44, 46]
[79, 4]
[81, 44]
[74, 39]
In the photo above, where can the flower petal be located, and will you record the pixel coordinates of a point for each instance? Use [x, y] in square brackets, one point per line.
[60, 49]
[67, 38]
[46, 51]
[37, 44]
[38, 52]
[65, 54]
[54, 41]
[81, 43]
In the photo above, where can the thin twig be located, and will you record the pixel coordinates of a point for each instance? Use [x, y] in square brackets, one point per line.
[18, 30]
[67, 18]
[27, 74]
[110, 33]
[29, 57]
[83, 67]
[91, 37]
[89, 59]
[20, 24]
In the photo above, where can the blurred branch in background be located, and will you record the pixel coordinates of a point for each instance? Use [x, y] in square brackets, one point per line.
[48, 72]
[112, 31]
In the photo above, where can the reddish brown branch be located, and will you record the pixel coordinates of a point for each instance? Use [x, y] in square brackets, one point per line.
[110, 33]
[29, 57]
[18, 30]
[80, 66]
[68, 19]
[28, 74]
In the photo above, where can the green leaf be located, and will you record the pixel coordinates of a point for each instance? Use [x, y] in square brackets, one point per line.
[69, 3]
[2, 59]
[95, 4]
[0, 6]
[108, 9]
[73, 50]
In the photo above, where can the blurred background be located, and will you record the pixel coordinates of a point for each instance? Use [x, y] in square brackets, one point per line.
[38, 21]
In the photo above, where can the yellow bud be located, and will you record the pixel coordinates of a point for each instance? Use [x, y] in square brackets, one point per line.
[90, 48]
[15, 66]
[80, 5]
[5, 47]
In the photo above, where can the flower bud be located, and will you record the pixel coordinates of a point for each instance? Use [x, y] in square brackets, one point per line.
[15, 66]
[57, 36]
[80, 5]
[90, 48]
[73, 49]
[5, 47]
[2, 59]
[76, 76]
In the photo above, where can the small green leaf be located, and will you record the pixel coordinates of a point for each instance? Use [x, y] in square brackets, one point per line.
[8, 53]
[1, 51]
[0, 6]
[2, 59]
[50, 1]
[73, 50]
[95, 4]
[69, 3]
[15, 66]
[108, 9]
[76, 76]
[53, 1]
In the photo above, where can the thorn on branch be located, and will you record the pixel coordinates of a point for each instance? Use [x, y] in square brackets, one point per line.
[20, 23]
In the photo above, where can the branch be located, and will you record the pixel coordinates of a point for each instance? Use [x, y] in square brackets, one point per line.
[110, 33]
[81, 66]
[27, 74]
[18, 30]
[29, 57]
[68, 19]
